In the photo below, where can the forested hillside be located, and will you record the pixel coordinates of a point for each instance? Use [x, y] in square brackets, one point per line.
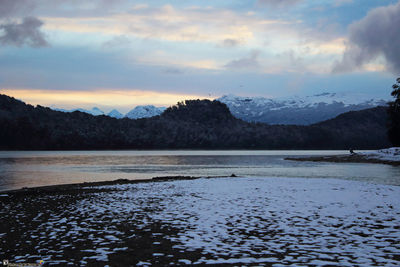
[193, 124]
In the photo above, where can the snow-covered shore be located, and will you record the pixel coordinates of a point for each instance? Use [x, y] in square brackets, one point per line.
[389, 156]
[293, 221]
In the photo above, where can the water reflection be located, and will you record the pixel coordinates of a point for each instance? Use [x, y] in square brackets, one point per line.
[19, 169]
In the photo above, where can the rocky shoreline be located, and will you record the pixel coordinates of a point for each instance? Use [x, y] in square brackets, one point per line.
[89, 186]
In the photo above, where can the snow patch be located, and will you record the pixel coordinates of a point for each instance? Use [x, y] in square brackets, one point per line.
[389, 154]
[241, 220]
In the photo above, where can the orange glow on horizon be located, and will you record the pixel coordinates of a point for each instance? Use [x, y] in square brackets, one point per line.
[123, 100]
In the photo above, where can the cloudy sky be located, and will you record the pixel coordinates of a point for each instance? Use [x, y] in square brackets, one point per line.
[122, 53]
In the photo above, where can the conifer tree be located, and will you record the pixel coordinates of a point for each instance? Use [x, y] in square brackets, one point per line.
[394, 115]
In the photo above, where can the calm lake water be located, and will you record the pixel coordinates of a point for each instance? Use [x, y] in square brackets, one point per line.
[37, 168]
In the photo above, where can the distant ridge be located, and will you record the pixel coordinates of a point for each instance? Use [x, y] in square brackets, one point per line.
[136, 113]
[193, 124]
[95, 111]
[295, 110]
[299, 110]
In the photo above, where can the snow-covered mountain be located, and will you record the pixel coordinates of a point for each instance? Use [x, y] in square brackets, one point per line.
[144, 112]
[115, 114]
[298, 110]
[136, 113]
[94, 111]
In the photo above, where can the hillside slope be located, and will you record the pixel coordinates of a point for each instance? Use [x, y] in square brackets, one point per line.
[194, 124]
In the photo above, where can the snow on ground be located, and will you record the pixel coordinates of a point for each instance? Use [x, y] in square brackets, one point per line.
[389, 154]
[229, 221]
[243, 220]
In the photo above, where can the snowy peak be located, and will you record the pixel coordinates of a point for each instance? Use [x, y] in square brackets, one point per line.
[303, 101]
[301, 110]
[95, 111]
[115, 114]
[144, 112]
[136, 113]
[346, 99]
[298, 109]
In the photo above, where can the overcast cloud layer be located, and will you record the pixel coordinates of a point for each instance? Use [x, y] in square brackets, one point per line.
[198, 48]
[376, 35]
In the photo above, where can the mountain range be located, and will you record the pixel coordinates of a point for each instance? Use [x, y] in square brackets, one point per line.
[138, 112]
[298, 110]
[192, 124]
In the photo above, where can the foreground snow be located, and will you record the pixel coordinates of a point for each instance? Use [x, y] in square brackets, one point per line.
[389, 154]
[226, 221]
[253, 220]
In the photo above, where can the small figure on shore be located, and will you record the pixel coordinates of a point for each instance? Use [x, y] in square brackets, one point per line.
[352, 151]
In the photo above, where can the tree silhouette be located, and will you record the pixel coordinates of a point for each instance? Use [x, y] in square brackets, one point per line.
[394, 115]
[193, 124]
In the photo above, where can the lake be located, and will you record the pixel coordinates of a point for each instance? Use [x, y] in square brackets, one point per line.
[38, 168]
[279, 212]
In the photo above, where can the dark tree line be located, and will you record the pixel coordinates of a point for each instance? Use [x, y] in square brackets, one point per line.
[394, 115]
[193, 124]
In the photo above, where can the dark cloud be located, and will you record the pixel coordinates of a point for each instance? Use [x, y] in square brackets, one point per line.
[377, 34]
[25, 33]
[278, 3]
[295, 62]
[250, 62]
[117, 41]
[174, 71]
[230, 42]
[9, 8]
